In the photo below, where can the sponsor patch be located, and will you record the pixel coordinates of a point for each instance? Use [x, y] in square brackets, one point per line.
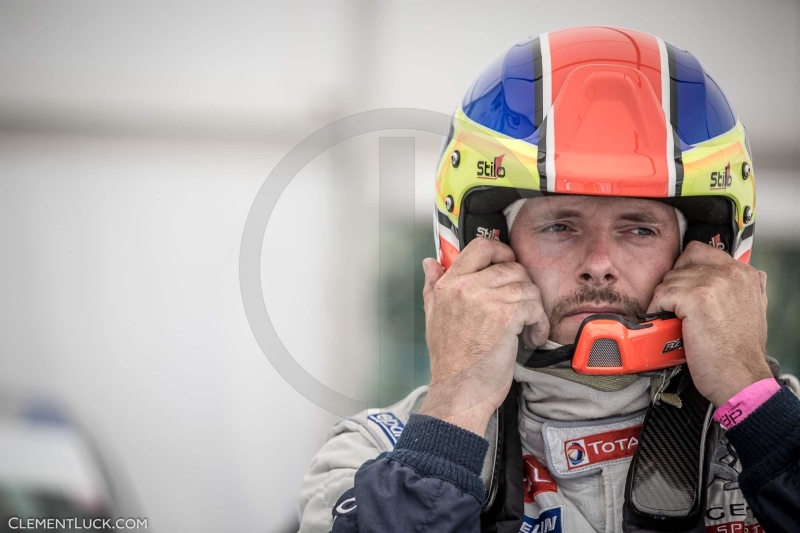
[548, 521]
[735, 527]
[537, 479]
[601, 447]
[574, 449]
[390, 424]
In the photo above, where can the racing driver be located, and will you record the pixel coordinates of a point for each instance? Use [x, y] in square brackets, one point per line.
[595, 190]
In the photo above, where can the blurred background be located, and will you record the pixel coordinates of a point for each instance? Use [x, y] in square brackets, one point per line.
[134, 137]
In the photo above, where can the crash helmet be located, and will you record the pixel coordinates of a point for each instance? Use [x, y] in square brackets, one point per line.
[595, 111]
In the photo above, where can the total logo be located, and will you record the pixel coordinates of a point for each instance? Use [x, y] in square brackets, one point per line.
[492, 169]
[601, 447]
[576, 453]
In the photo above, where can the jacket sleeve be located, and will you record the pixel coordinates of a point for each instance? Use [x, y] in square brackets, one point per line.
[768, 445]
[429, 482]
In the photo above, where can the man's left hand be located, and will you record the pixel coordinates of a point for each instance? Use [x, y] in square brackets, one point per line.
[723, 305]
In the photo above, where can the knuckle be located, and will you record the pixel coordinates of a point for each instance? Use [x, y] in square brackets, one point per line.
[481, 243]
[516, 290]
[509, 270]
[715, 283]
[461, 286]
[704, 293]
[752, 274]
[519, 270]
[734, 270]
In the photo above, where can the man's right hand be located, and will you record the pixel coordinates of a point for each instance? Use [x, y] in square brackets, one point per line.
[473, 315]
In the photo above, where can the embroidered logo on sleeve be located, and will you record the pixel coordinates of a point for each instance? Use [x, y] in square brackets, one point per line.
[601, 447]
[390, 424]
[548, 521]
[537, 479]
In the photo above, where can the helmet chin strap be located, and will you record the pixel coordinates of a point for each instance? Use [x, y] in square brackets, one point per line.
[555, 359]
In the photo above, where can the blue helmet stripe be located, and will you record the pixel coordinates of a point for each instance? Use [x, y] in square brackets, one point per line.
[703, 110]
[504, 97]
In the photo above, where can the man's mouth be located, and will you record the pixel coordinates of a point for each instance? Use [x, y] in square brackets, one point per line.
[588, 310]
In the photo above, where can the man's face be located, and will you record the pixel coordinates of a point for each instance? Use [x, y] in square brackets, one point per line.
[590, 254]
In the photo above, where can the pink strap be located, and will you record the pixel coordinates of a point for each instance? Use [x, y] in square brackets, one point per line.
[745, 402]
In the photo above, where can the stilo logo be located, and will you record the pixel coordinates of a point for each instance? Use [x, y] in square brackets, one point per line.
[722, 180]
[489, 233]
[671, 346]
[716, 242]
[576, 453]
[492, 169]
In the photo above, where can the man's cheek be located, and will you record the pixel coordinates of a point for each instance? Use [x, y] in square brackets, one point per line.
[549, 281]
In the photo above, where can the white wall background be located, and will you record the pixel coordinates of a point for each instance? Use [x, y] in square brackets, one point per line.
[133, 139]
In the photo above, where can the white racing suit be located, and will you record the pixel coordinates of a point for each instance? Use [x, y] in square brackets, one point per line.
[577, 444]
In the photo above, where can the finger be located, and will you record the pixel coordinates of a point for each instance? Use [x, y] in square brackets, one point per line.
[533, 322]
[698, 253]
[762, 277]
[519, 292]
[689, 271]
[665, 298]
[536, 335]
[479, 254]
[502, 274]
[433, 273]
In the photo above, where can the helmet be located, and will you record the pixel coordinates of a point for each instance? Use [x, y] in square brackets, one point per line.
[595, 111]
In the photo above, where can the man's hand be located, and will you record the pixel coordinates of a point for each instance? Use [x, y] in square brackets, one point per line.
[473, 314]
[723, 305]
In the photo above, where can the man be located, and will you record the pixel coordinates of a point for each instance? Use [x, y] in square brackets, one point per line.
[589, 171]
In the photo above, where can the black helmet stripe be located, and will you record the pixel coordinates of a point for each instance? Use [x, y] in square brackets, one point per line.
[673, 118]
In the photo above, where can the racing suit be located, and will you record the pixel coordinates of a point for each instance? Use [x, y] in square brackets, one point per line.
[393, 470]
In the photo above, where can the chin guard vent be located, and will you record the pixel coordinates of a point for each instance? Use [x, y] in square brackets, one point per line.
[604, 353]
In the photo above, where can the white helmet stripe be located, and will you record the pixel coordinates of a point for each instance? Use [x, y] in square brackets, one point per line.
[447, 234]
[744, 246]
[547, 106]
[665, 103]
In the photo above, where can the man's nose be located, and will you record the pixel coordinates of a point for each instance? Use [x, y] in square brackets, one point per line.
[596, 266]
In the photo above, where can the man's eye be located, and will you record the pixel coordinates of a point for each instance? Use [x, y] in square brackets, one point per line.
[643, 231]
[556, 228]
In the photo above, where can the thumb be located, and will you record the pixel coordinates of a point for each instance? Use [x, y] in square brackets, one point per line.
[433, 273]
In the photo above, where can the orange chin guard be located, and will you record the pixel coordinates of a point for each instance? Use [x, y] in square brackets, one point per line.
[610, 345]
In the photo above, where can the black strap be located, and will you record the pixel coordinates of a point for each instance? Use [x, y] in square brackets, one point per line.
[665, 488]
[506, 511]
[542, 358]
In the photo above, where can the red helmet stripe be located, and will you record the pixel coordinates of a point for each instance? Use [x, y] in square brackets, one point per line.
[603, 114]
